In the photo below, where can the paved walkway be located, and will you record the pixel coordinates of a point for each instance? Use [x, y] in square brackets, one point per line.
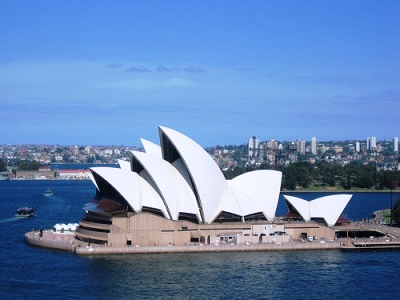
[67, 241]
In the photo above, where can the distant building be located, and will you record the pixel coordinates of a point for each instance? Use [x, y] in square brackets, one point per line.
[73, 174]
[396, 145]
[293, 148]
[358, 147]
[253, 147]
[301, 147]
[371, 143]
[314, 145]
[338, 149]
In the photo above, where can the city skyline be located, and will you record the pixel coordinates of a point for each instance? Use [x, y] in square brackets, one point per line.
[252, 142]
[106, 73]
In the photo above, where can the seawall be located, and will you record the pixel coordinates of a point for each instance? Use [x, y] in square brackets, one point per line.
[67, 242]
[206, 248]
[50, 240]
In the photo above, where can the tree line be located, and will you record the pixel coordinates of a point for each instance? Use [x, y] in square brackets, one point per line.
[22, 165]
[304, 175]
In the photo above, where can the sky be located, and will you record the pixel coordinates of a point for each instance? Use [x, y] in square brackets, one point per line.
[111, 72]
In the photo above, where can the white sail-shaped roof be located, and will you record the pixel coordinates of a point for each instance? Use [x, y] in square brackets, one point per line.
[329, 207]
[208, 181]
[151, 148]
[125, 165]
[234, 201]
[182, 181]
[93, 180]
[302, 206]
[135, 190]
[262, 187]
[175, 191]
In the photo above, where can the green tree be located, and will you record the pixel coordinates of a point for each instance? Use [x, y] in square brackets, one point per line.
[364, 180]
[290, 183]
[396, 212]
[2, 166]
[364, 176]
[298, 173]
[27, 165]
[346, 184]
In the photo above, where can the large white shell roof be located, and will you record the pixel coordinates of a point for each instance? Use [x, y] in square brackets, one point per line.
[191, 183]
[205, 173]
[262, 187]
[173, 188]
[135, 190]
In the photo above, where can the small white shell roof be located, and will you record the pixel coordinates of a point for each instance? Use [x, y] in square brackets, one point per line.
[329, 207]
[207, 177]
[151, 148]
[173, 187]
[135, 190]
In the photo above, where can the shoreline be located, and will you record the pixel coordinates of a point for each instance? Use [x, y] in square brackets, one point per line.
[282, 191]
[67, 242]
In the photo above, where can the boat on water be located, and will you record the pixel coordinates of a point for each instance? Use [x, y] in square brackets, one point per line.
[48, 192]
[5, 176]
[25, 212]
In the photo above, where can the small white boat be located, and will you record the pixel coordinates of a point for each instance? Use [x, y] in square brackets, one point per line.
[5, 176]
[48, 192]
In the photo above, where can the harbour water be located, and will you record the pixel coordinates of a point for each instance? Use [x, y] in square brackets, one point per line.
[35, 273]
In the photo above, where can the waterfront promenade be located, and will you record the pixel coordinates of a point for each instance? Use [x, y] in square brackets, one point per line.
[67, 242]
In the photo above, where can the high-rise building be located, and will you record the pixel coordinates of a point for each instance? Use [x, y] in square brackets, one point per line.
[253, 147]
[273, 144]
[301, 147]
[358, 148]
[371, 143]
[314, 145]
[396, 145]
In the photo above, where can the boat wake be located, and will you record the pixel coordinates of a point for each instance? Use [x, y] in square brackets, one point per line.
[10, 220]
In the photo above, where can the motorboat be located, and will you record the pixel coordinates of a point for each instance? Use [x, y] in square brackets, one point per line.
[25, 212]
[4, 176]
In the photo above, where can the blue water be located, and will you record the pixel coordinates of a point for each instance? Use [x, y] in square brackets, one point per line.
[35, 273]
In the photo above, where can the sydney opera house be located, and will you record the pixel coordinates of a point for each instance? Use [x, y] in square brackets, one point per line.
[175, 194]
